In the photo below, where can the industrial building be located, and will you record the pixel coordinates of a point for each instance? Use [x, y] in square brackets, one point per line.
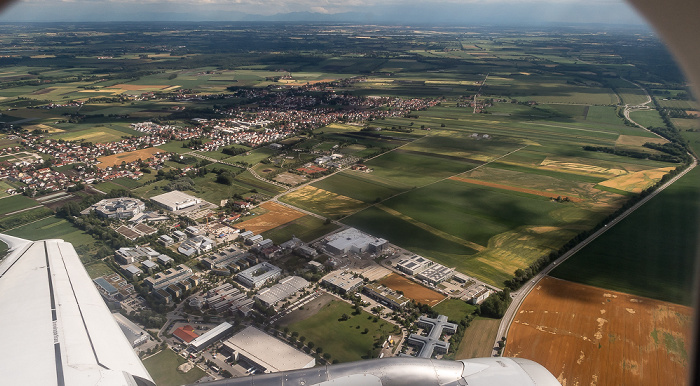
[352, 240]
[286, 287]
[343, 281]
[129, 255]
[166, 240]
[431, 343]
[436, 274]
[227, 259]
[258, 275]
[197, 244]
[132, 271]
[170, 276]
[478, 294]
[185, 333]
[413, 265]
[203, 341]
[117, 208]
[175, 200]
[164, 259]
[226, 297]
[385, 295]
[266, 353]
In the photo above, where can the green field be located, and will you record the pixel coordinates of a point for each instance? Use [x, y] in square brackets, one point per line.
[307, 228]
[651, 252]
[53, 228]
[454, 309]
[647, 118]
[15, 203]
[355, 185]
[410, 169]
[98, 269]
[344, 340]
[163, 369]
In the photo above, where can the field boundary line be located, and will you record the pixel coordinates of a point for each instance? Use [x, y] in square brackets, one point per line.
[432, 230]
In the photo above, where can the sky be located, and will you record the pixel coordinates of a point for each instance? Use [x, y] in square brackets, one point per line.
[451, 12]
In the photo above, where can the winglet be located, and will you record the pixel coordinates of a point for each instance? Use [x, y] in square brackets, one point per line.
[13, 242]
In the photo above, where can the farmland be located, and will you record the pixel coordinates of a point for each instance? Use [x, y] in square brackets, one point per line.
[323, 202]
[306, 228]
[478, 339]
[412, 290]
[584, 334]
[130, 156]
[649, 253]
[275, 216]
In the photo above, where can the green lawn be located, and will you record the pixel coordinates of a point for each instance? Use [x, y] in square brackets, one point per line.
[307, 228]
[98, 269]
[344, 340]
[454, 309]
[163, 369]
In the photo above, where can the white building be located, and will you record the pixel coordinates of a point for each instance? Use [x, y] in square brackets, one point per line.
[175, 200]
[119, 208]
[413, 265]
[258, 275]
[352, 240]
[266, 353]
[203, 341]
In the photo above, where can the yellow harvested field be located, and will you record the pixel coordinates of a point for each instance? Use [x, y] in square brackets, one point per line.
[638, 181]
[277, 215]
[591, 336]
[635, 140]
[130, 156]
[329, 203]
[580, 168]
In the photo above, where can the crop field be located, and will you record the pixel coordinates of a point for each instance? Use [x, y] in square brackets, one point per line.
[650, 253]
[410, 169]
[130, 156]
[478, 339]
[638, 181]
[634, 140]
[95, 135]
[15, 203]
[632, 96]
[513, 188]
[306, 228]
[412, 290]
[323, 202]
[355, 185]
[647, 118]
[276, 215]
[596, 336]
[344, 340]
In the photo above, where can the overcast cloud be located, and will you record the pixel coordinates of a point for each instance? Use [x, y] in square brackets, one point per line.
[385, 11]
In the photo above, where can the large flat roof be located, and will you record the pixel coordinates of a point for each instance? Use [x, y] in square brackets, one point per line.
[268, 352]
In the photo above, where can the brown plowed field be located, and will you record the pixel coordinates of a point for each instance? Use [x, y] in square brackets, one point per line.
[278, 215]
[590, 336]
[514, 188]
[412, 290]
[129, 156]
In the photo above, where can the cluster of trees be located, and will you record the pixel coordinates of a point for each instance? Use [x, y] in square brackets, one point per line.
[182, 183]
[233, 150]
[495, 306]
[637, 154]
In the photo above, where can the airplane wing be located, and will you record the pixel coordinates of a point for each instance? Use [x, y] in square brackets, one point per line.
[403, 371]
[57, 329]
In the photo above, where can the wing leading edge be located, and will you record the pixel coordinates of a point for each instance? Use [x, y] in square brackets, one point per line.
[58, 330]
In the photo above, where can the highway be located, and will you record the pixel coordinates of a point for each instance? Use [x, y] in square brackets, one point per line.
[520, 295]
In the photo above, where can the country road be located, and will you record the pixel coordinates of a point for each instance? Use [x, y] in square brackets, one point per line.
[520, 295]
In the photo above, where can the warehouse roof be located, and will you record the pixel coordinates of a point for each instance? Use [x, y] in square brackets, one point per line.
[268, 352]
